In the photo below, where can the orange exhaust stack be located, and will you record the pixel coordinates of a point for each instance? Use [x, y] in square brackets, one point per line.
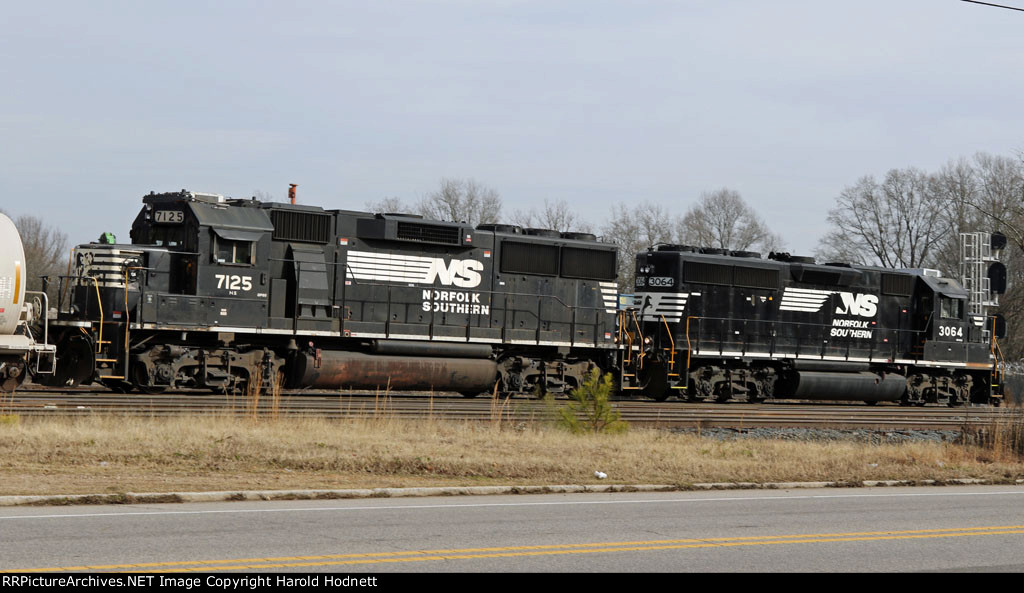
[291, 191]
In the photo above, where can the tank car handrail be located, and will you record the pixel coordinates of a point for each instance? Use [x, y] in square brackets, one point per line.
[46, 315]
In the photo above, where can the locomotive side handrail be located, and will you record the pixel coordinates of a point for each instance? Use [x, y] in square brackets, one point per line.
[573, 309]
[799, 341]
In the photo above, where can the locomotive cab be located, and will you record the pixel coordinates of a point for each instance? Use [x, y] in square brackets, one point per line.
[942, 322]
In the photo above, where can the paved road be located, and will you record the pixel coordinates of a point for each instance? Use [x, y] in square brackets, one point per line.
[870, 529]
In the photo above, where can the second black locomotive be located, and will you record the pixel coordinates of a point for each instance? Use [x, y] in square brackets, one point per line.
[716, 325]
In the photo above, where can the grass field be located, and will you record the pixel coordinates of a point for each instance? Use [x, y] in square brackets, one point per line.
[106, 454]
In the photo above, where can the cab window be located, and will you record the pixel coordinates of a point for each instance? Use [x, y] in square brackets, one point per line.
[951, 308]
[227, 251]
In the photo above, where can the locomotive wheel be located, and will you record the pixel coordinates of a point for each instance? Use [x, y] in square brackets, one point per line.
[75, 363]
[152, 389]
[655, 383]
[118, 386]
[12, 374]
[141, 382]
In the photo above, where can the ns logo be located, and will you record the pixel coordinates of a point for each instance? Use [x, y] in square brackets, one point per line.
[464, 273]
[864, 305]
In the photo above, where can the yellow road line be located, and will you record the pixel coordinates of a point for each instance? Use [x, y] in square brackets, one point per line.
[541, 550]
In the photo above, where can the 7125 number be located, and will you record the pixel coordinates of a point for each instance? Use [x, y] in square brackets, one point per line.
[232, 282]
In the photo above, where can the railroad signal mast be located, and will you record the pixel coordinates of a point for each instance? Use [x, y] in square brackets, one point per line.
[984, 276]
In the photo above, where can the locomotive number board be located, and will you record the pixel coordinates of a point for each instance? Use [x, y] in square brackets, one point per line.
[169, 216]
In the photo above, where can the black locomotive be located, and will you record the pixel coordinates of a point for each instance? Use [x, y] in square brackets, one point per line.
[232, 295]
[229, 294]
[710, 324]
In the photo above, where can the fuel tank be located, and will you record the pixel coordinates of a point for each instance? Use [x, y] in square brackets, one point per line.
[357, 370]
[864, 386]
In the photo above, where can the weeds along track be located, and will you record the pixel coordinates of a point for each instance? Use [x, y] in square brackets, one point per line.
[671, 414]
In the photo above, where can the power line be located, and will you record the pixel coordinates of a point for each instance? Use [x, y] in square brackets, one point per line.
[996, 5]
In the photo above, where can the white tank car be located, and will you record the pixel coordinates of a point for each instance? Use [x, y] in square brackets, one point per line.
[15, 343]
[12, 276]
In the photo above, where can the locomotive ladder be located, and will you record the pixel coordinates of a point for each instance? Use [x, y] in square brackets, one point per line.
[100, 342]
[630, 335]
[999, 370]
[671, 371]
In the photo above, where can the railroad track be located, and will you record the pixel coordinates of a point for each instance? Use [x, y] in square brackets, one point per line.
[671, 414]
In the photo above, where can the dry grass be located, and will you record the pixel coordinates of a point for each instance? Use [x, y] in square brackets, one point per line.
[105, 454]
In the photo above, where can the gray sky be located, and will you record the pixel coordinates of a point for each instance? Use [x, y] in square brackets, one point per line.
[592, 102]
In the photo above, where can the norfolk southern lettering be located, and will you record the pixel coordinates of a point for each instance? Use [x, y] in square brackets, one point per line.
[454, 301]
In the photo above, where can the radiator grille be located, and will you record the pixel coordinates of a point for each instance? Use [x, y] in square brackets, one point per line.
[529, 258]
[413, 231]
[303, 227]
[588, 264]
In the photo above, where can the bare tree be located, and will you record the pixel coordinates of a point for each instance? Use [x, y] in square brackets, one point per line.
[898, 223]
[1000, 194]
[391, 204]
[46, 252]
[555, 215]
[462, 200]
[634, 228]
[957, 187]
[913, 220]
[723, 219]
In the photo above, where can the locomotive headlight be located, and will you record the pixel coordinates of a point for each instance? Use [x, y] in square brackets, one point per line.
[647, 340]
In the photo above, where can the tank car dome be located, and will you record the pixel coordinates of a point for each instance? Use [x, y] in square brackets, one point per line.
[12, 276]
